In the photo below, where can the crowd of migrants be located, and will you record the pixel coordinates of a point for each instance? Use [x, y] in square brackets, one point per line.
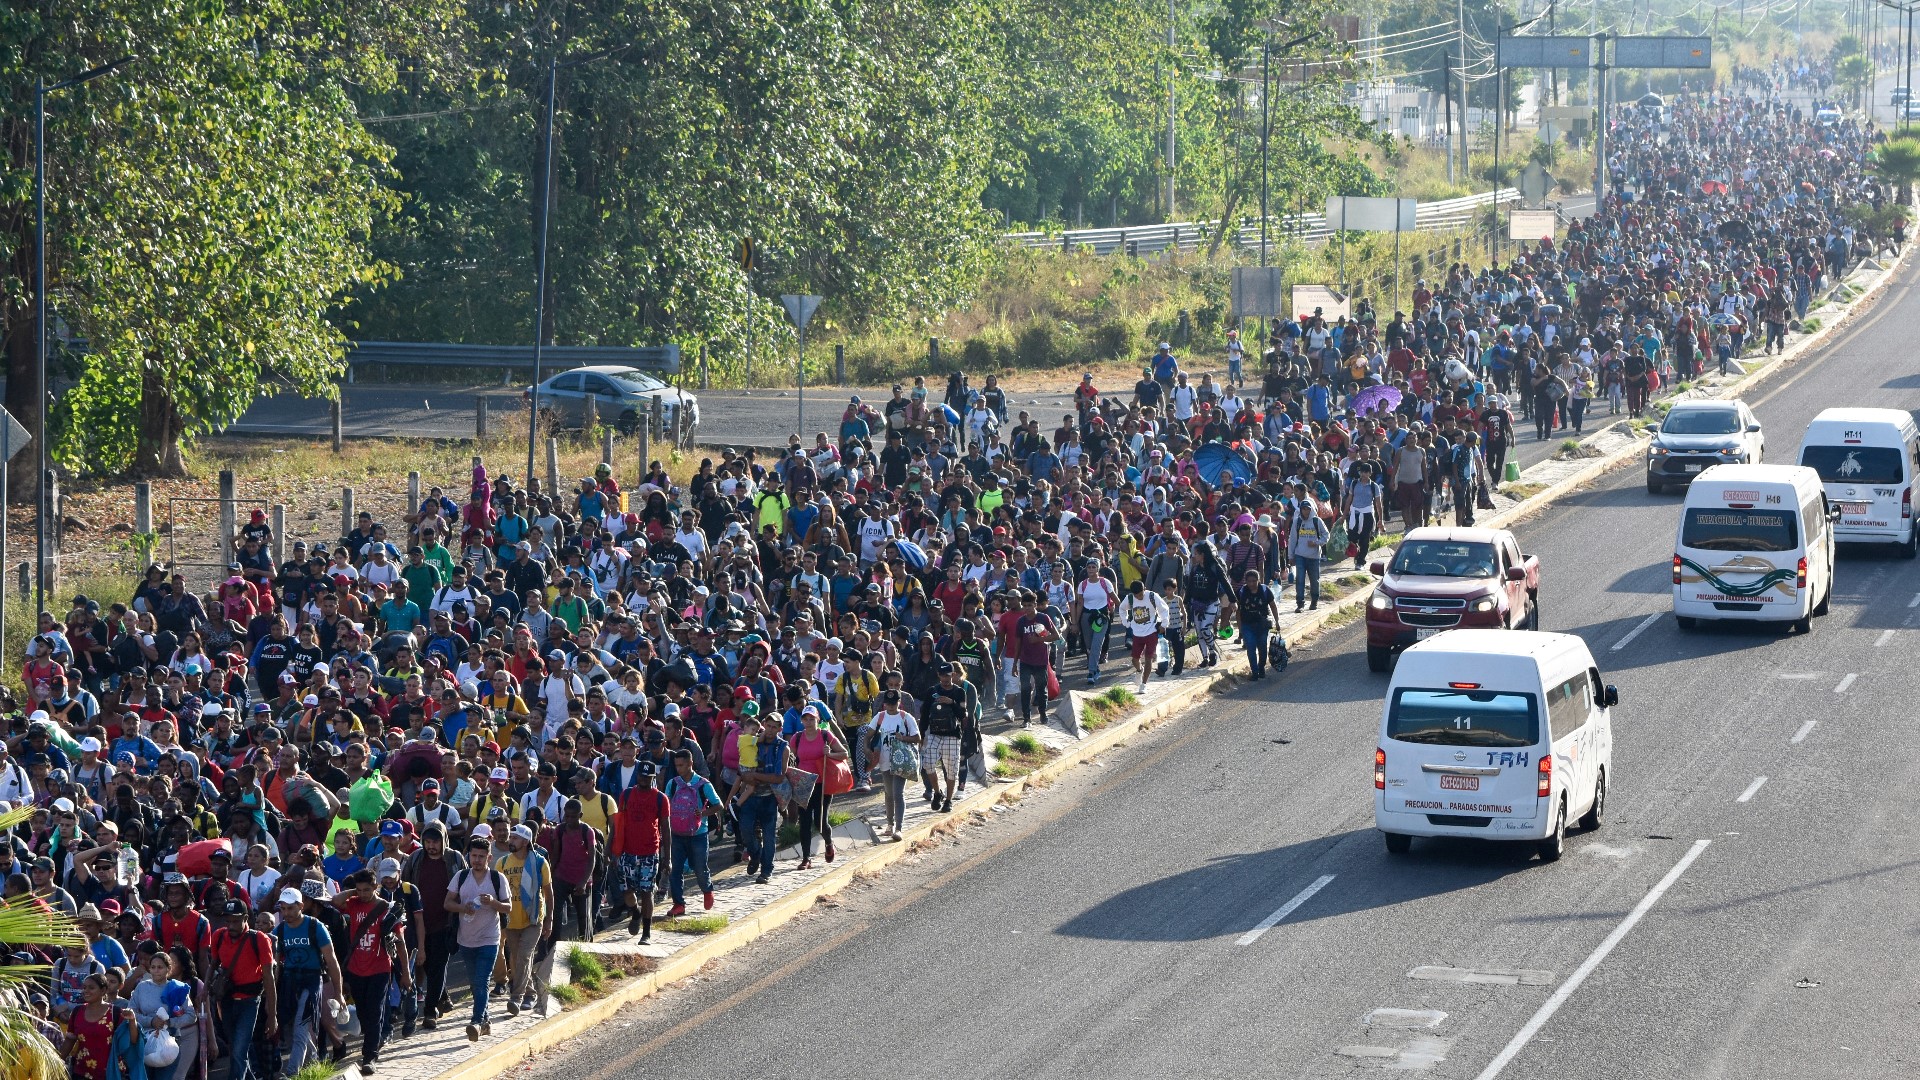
[517, 717]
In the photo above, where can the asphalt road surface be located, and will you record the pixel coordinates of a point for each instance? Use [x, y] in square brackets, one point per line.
[1747, 910]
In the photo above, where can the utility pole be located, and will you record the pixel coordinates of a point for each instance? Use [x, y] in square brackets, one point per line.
[1460, 34]
[1266, 131]
[1600, 125]
[1446, 62]
[1172, 44]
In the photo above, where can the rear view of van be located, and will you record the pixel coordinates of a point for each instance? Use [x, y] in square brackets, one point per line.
[1755, 542]
[1494, 735]
[1867, 458]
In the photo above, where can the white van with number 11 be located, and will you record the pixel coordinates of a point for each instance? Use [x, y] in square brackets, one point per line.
[1494, 735]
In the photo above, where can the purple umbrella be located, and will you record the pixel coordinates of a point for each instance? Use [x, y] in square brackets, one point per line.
[1379, 398]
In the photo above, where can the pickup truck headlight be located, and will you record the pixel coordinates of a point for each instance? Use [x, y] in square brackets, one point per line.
[1380, 601]
[1484, 603]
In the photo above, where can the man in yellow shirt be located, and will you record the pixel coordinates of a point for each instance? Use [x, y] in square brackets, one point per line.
[598, 809]
[529, 925]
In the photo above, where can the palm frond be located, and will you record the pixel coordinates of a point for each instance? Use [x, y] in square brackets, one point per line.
[25, 1054]
[24, 920]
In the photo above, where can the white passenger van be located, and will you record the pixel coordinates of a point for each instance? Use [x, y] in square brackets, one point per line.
[1867, 459]
[1755, 542]
[1494, 735]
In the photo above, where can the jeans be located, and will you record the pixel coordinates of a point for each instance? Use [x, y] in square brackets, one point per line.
[896, 813]
[369, 996]
[299, 994]
[1096, 640]
[1254, 637]
[1033, 692]
[237, 1016]
[480, 960]
[1306, 580]
[441, 945]
[690, 851]
[760, 825]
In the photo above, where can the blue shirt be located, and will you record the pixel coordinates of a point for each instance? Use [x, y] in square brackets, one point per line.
[1318, 402]
[300, 946]
[338, 868]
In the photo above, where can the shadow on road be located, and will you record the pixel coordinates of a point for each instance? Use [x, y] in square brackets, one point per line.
[1230, 894]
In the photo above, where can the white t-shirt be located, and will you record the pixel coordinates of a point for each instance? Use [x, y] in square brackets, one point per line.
[1143, 615]
[1095, 594]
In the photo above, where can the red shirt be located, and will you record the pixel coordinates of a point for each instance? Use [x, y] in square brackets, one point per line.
[641, 811]
[366, 936]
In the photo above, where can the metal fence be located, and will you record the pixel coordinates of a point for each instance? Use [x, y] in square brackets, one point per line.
[1450, 215]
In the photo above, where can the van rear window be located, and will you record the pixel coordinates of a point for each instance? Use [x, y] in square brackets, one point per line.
[1463, 718]
[1853, 464]
[1711, 528]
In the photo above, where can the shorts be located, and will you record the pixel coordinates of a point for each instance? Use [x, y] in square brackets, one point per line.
[1138, 647]
[634, 873]
[941, 753]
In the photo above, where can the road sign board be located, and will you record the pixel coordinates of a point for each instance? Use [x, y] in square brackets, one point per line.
[1357, 214]
[1324, 300]
[1663, 52]
[800, 308]
[13, 437]
[1534, 183]
[1545, 52]
[1256, 292]
[1531, 225]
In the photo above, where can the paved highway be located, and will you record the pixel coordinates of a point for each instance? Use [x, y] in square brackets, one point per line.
[1747, 910]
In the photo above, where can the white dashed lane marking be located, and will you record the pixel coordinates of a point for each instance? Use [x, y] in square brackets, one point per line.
[1885, 636]
[1635, 632]
[1752, 789]
[1846, 682]
[1286, 909]
[1806, 729]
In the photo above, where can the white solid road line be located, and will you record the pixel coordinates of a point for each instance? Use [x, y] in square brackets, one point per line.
[1846, 682]
[1635, 632]
[1885, 636]
[1560, 996]
[1806, 729]
[1286, 909]
[1751, 790]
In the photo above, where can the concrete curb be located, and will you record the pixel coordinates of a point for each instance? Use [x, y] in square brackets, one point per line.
[572, 1023]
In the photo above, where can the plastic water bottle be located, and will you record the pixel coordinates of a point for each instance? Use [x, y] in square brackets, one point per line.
[129, 866]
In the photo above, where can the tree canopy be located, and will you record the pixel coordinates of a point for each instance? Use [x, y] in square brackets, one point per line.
[264, 182]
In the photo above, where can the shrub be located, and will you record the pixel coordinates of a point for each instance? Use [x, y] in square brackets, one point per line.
[1115, 339]
[1041, 345]
[977, 354]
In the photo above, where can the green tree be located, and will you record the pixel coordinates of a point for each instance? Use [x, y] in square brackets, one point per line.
[211, 206]
[1897, 161]
[1855, 72]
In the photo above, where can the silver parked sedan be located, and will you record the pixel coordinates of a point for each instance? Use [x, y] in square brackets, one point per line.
[622, 396]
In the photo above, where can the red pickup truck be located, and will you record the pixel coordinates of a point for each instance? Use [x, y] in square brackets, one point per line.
[1441, 578]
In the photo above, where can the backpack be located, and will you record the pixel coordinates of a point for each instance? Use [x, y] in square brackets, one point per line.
[494, 876]
[686, 805]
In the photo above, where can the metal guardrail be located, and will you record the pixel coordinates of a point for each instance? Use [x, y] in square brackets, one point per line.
[658, 359]
[1447, 216]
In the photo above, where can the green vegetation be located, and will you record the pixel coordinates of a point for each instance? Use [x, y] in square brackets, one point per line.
[704, 923]
[1898, 162]
[588, 973]
[1019, 755]
[1102, 709]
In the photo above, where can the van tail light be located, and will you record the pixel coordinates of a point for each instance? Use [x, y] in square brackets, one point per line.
[1379, 769]
[1676, 569]
[1906, 504]
[1800, 575]
[1546, 775]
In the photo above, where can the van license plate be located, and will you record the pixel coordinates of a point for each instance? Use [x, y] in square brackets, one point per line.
[1853, 507]
[1426, 632]
[1460, 783]
[1691, 466]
